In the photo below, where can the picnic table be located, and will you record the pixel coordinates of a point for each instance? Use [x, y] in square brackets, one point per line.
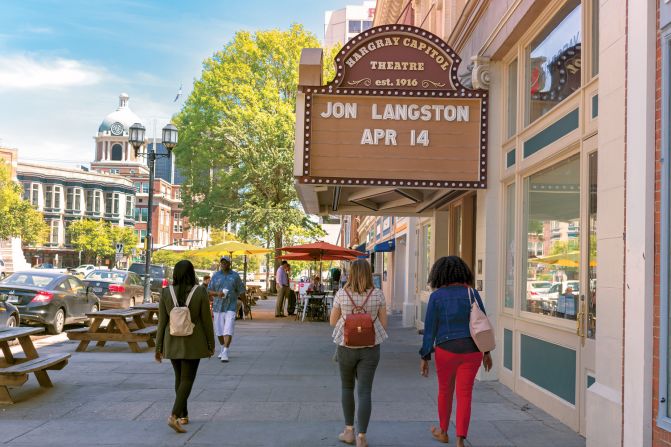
[14, 370]
[151, 311]
[116, 330]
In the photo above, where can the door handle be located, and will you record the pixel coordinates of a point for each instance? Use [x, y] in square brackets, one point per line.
[580, 320]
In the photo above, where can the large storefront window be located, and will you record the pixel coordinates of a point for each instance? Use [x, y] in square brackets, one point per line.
[552, 227]
[509, 299]
[553, 62]
[591, 257]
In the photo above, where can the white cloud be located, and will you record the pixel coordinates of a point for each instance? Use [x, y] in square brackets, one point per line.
[31, 72]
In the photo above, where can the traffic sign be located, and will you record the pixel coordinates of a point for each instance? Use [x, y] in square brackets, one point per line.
[119, 249]
[119, 257]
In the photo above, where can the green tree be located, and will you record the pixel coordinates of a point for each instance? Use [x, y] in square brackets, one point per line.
[92, 238]
[237, 136]
[97, 239]
[17, 217]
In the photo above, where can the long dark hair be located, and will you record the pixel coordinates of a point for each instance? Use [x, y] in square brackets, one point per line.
[450, 270]
[183, 280]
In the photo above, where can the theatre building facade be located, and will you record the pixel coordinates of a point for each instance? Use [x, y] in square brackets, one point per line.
[514, 135]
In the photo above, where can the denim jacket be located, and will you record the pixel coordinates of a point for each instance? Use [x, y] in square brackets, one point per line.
[447, 317]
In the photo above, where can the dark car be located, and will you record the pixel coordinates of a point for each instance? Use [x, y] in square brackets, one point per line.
[9, 314]
[116, 289]
[161, 276]
[49, 298]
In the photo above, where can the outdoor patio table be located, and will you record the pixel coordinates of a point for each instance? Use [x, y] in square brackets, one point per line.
[14, 370]
[322, 299]
[116, 330]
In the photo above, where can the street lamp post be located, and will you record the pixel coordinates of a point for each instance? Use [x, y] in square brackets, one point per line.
[137, 139]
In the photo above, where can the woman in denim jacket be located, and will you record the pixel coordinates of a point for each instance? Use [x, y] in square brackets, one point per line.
[446, 327]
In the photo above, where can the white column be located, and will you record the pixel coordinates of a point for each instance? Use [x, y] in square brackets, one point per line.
[410, 272]
[603, 399]
[639, 244]
[489, 219]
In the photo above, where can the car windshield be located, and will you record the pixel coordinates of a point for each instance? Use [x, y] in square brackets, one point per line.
[540, 285]
[28, 279]
[106, 275]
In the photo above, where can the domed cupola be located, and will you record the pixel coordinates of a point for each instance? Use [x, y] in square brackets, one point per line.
[118, 122]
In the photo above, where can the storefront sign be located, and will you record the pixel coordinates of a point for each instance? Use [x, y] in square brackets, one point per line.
[395, 115]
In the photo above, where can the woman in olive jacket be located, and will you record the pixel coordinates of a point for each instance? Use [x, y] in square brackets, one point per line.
[184, 352]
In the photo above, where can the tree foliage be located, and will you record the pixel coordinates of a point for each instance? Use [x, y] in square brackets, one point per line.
[17, 217]
[237, 136]
[96, 239]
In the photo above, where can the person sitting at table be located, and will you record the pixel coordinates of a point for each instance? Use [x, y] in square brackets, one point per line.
[316, 285]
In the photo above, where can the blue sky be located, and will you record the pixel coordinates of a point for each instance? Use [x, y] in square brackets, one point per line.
[63, 63]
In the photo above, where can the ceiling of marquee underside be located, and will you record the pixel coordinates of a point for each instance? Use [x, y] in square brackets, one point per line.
[325, 199]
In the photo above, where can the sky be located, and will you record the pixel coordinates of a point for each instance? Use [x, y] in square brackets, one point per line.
[63, 63]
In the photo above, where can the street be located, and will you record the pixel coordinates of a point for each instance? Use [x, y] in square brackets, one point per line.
[281, 388]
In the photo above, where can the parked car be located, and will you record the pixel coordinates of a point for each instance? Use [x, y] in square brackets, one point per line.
[50, 266]
[49, 298]
[116, 289]
[537, 290]
[83, 269]
[161, 276]
[9, 314]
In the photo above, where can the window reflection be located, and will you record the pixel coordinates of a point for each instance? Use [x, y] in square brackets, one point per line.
[554, 61]
[552, 227]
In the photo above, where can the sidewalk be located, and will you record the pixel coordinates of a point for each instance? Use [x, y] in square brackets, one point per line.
[281, 388]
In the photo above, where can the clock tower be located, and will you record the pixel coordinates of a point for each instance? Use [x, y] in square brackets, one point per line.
[113, 153]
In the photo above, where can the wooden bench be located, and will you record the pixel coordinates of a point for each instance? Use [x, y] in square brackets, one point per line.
[14, 370]
[149, 330]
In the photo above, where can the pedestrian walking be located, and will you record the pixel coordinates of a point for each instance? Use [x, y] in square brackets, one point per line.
[184, 344]
[282, 278]
[363, 304]
[225, 287]
[446, 327]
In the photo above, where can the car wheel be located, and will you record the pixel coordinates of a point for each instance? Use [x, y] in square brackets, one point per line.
[56, 327]
[132, 302]
[89, 321]
[12, 321]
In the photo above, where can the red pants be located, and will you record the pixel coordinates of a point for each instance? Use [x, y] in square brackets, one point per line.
[460, 370]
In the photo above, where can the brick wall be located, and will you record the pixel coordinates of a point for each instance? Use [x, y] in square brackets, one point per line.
[660, 438]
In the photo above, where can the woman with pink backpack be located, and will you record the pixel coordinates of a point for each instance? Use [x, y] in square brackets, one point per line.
[184, 335]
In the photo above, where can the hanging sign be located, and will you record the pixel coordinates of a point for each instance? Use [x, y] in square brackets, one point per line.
[395, 115]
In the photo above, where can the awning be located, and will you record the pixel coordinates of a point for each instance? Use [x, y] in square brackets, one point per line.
[389, 245]
[361, 248]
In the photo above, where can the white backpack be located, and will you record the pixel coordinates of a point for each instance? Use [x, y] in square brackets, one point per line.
[180, 317]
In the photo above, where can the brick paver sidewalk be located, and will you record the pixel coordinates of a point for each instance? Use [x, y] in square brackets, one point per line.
[281, 388]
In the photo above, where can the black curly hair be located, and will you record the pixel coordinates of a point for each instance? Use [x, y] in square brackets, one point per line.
[448, 270]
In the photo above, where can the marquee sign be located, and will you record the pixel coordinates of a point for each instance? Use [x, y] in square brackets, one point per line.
[395, 115]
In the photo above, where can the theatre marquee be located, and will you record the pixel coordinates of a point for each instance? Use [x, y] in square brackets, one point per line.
[395, 115]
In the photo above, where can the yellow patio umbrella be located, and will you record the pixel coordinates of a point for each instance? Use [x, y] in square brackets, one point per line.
[231, 248]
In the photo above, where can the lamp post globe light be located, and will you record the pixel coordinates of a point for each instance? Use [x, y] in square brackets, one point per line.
[136, 137]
